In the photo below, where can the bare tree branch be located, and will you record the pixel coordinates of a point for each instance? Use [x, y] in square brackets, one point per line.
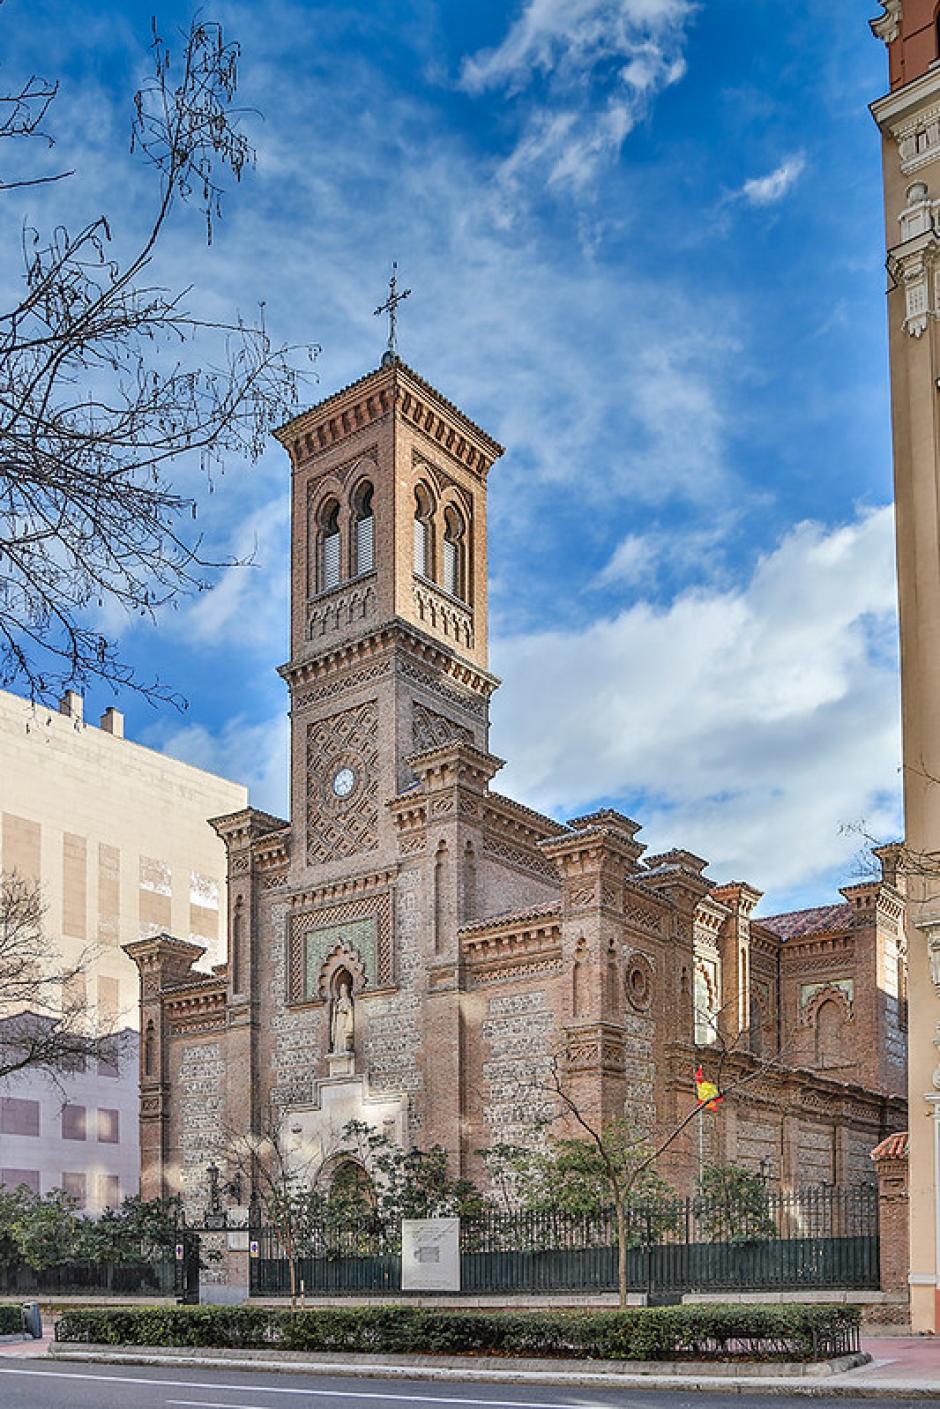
[109, 382]
[47, 1023]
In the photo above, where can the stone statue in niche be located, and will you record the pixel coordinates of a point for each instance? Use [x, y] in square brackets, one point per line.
[342, 1017]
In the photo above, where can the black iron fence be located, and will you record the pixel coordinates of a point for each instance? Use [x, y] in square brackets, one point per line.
[157, 1278]
[812, 1239]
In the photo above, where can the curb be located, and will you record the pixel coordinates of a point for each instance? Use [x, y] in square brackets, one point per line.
[833, 1379]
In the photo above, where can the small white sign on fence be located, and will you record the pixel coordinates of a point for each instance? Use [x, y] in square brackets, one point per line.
[430, 1255]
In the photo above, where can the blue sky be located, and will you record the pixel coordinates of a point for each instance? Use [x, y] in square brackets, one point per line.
[645, 243]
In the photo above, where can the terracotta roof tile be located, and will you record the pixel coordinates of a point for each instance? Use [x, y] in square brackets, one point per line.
[795, 924]
[894, 1147]
[320, 406]
[547, 909]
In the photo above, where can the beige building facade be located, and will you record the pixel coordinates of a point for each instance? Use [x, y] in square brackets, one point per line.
[416, 950]
[117, 836]
[908, 117]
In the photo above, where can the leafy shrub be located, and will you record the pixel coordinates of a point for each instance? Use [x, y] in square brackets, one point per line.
[11, 1320]
[660, 1333]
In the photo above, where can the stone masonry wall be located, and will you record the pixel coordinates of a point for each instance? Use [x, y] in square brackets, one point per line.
[520, 1034]
[393, 1041]
[297, 1035]
[199, 1096]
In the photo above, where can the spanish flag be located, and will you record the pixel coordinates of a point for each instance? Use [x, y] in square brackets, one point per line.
[706, 1092]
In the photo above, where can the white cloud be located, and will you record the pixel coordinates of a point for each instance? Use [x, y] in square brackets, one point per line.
[586, 114]
[253, 754]
[694, 553]
[754, 721]
[633, 561]
[769, 189]
[248, 602]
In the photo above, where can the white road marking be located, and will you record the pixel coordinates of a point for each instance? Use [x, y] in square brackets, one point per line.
[409, 1395]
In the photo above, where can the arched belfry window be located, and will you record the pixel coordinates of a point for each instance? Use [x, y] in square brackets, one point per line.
[329, 545]
[363, 529]
[455, 553]
[424, 539]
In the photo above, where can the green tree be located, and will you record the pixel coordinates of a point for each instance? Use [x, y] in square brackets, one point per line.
[47, 1230]
[12, 1203]
[411, 1183]
[141, 1230]
[732, 1206]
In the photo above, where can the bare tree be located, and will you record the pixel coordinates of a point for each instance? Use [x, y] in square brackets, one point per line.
[109, 383]
[623, 1157]
[283, 1184]
[46, 1022]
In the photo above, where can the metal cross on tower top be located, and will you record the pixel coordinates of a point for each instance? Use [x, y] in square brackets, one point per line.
[390, 306]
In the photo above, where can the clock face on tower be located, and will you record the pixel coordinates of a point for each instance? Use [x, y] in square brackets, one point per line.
[344, 780]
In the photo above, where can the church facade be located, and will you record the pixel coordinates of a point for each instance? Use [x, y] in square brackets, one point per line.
[418, 951]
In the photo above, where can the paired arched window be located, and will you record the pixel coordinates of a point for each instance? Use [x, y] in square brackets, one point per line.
[363, 530]
[455, 553]
[329, 545]
[423, 533]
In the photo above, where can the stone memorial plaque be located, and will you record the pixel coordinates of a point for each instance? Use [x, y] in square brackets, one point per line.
[430, 1255]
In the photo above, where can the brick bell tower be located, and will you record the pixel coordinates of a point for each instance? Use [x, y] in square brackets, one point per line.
[909, 120]
[388, 608]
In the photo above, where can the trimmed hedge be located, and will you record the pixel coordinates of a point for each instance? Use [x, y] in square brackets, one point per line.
[11, 1320]
[653, 1333]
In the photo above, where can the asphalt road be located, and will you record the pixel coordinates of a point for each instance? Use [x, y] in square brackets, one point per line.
[77, 1386]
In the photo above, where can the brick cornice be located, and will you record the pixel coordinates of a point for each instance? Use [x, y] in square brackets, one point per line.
[373, 644]
[364, 402]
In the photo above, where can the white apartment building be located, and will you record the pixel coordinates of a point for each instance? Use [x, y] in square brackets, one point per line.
[118, 837]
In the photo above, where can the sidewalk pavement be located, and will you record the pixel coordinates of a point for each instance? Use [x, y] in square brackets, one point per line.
[905, 1367]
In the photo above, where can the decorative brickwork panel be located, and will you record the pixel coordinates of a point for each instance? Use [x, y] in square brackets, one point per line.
[430, 730]
[363, 927]
[353, 680]
[808, 991]
[338, 827]
[473, 704]
[357, 937]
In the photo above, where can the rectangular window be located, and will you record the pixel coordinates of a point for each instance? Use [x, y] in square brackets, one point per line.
[73, 1122]
[13, 1178]
[365, 545]
[75, 1186]
[21, 846]
[109, 1191]
[108, 1062]
[74, 885]
[109, 894]
[451, 581]
[18, 1117]
[108, 1127]
[108, 1003]
[330, 562]
[421, 548]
